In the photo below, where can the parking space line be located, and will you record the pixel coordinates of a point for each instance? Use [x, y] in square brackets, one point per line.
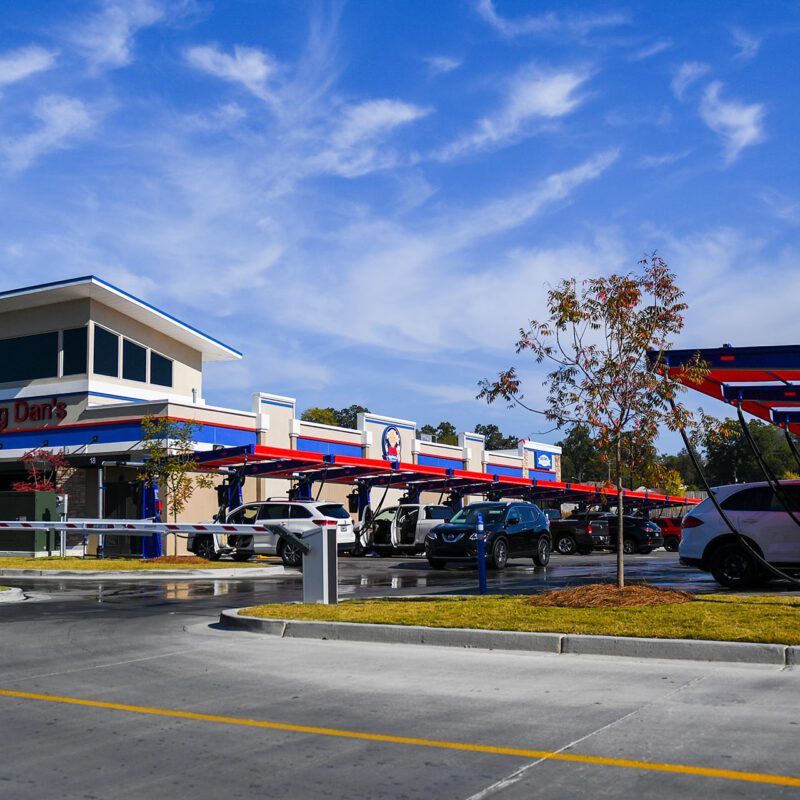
[684, 769]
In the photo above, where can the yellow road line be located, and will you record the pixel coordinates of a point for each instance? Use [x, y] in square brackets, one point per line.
[682, 769]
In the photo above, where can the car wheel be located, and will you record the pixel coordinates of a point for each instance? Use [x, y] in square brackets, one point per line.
[671, 544]
[436, 563]
[204, 547]
[732, 566]
[242, 555]
[499, 557]
[629, 547]
[566, 545]
[542, 557]
[291, 555]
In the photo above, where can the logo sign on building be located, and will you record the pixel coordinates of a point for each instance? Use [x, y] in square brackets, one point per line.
[21, 412]
[390, 444]
[543, 460]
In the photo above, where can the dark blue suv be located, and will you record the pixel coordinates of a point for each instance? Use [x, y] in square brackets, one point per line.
[512, 530]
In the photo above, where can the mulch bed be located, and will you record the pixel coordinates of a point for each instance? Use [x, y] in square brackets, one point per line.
[606, 595]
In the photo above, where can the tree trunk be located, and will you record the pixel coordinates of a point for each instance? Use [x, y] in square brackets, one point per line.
[620, 528]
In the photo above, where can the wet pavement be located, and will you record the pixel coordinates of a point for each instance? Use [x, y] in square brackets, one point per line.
[360, 577]
[130, 689]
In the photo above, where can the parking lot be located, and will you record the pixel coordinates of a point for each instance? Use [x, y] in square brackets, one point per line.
[129, 689]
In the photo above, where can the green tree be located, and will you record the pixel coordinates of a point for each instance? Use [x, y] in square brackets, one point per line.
[342, 417]
[169, 447]
[581, 461]
[444, 432]
[728, 457]
[348, 417]
[324, 416]
[682, 464]
[495, 439]
[605, 340]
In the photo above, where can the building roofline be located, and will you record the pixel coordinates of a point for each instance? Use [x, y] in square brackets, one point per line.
[218, 351]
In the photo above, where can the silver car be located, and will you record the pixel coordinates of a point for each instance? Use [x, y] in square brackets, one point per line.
[297, 516]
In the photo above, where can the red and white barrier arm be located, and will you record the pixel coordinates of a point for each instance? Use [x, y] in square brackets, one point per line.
[136, 527]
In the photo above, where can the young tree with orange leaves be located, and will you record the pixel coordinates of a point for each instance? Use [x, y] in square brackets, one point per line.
[606, 339]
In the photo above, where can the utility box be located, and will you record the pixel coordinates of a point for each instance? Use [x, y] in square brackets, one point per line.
[29, 507]
[320, 567]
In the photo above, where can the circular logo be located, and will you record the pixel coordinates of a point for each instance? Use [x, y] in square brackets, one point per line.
[390, 444]
[544, 461]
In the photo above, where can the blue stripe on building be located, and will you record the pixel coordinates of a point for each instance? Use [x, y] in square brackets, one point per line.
[328, 448]
[389, 424]
[114, 433]
[497, 469]
[278, 403]
[542, 476]
[440, 461]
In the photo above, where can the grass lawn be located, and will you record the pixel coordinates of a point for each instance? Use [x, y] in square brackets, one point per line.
[120, 564]
[722, 617]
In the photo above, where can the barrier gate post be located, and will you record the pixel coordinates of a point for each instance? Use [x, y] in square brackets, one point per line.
[481, 543]
[320, 567]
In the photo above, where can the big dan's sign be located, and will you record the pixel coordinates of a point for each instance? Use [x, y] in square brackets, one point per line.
[20, 412]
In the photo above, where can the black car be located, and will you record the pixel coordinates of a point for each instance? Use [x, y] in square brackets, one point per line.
[578, 534]
[512, 530]
[640, 535]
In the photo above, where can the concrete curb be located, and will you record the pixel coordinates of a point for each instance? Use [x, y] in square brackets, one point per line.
[129, 575]
[11, 595]
[554, 643]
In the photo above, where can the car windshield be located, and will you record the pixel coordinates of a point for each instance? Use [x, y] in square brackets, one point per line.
[469, 515]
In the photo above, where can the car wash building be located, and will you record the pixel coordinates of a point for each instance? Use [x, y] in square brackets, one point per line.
[82, 362]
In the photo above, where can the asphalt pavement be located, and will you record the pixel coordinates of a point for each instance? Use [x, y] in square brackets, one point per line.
[131, 690]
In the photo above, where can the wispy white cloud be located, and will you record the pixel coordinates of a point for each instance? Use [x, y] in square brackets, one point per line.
[222, 117]
[653, 161]
[355, 143]
[17, 65]
[746, 43]
[106, 39]
[687, 74]
[729, 277]
[653, 49]
[61, 120]
[248, 66]
[783, 207]
[443, 253]
[738, 124]
[440, 65]
[547, 24]
[510, 212]
[534, 94]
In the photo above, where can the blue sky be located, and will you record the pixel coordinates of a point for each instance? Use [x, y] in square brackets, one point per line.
[369, 198]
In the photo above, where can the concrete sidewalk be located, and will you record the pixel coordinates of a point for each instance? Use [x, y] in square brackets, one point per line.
[555, 643]
[11, 595]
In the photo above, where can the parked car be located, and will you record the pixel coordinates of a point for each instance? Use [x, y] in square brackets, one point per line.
[578, 534]
[403, 528]
[671, 531]
[760, 517]
[512, 530]
[640, 534]
[297, 516]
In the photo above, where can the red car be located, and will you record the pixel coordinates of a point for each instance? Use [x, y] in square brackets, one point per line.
[671, 529]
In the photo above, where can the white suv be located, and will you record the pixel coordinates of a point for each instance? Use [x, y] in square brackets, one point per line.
[297, 516]
[760, 517]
